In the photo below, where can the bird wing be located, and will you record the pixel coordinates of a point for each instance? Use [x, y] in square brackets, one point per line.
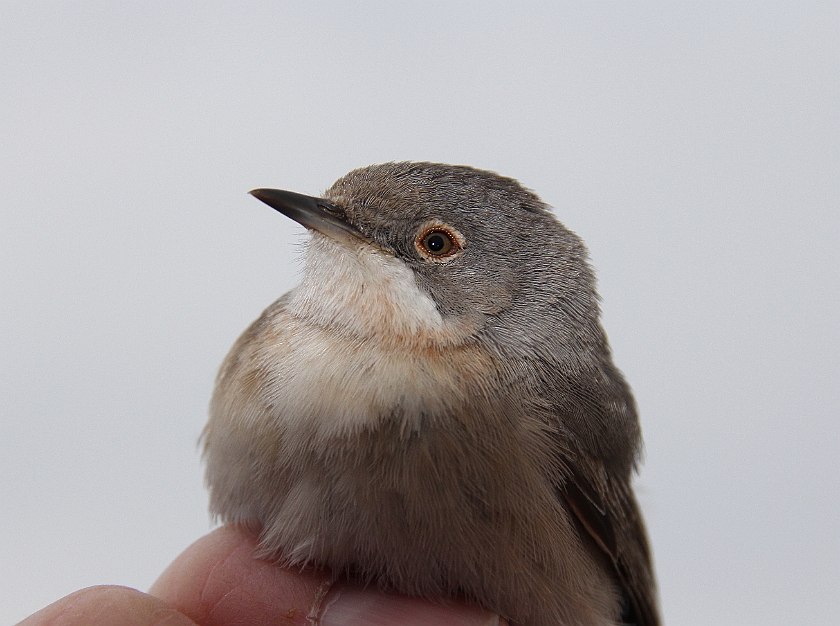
[611, 517]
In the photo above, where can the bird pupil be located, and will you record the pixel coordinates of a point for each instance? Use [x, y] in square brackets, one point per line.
[436, 243]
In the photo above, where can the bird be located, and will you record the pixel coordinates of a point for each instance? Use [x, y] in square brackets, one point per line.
[434, 408]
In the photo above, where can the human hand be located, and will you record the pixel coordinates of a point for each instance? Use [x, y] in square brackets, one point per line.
[218, 582]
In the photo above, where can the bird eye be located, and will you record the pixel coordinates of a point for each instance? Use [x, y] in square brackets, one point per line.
[438, 243]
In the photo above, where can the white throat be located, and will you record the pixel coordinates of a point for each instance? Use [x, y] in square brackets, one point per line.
[367, 294]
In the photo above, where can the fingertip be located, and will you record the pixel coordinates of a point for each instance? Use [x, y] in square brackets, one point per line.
[348, 605]
[105, 606]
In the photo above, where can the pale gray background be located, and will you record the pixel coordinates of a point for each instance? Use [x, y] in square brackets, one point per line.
[694, 146]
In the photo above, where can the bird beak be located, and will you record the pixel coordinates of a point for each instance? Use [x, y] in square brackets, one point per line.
[312, 213]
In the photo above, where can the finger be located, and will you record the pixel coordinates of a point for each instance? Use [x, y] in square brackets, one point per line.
[217, 582]
[108, 606]
[353, 606]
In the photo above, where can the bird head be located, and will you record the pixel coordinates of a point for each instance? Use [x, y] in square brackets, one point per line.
[440, 255]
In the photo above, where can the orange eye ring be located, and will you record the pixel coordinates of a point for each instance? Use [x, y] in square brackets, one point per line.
[438, 243]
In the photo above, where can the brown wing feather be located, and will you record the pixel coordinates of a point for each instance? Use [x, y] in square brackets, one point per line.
[616, 527]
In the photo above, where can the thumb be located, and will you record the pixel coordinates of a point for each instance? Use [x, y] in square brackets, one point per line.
[217, 582]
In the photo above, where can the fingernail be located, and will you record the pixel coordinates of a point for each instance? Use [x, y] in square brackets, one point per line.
[352, 606]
